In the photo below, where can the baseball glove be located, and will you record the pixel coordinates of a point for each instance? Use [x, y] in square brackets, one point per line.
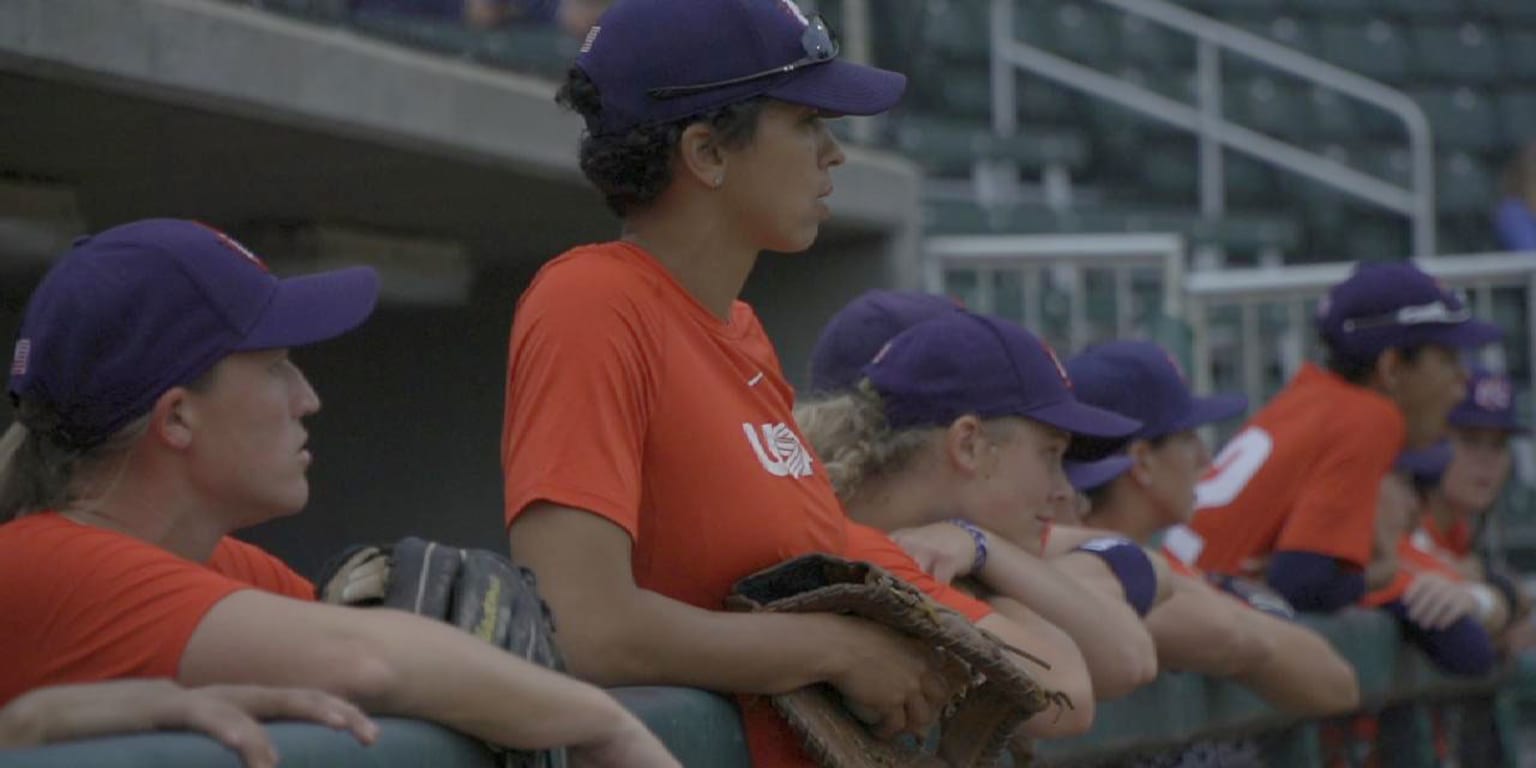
[478, 591]
[995, 695]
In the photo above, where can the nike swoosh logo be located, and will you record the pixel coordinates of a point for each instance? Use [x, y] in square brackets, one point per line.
[752, 382]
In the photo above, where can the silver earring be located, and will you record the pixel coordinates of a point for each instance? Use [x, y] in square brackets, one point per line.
[719, 179]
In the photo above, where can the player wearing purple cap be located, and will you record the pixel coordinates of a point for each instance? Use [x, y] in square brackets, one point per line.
[649, 449]
[861, 328]
[1294, 493]
[1481, 427]
[965, 417]
[158, 412]
[1150, 485]
[1451, 617]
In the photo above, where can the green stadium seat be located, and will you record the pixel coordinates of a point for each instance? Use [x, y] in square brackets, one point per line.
[1374, 47]
[539, 49]
[1465, 51]
[1330, 115]
[1506, 10]
[1517, 115]
[1250, 183]
[1443, 9]
[1149, 45]
[1461, 118]
[951, 147]
[1267, 104]
[1463, 185]
[315, 10]
[1332, 7]
[1223, 7]
[1292, 31]
[958, 29]
[1080, 31]
[1519, 46]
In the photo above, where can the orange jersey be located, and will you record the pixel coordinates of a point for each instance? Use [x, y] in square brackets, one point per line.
[1416, 554]
[628, 399]
[872, 545]
[252, 565]
[1303, 475]
[83, 604]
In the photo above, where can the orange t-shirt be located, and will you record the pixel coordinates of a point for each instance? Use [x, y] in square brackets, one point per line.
[251, 564]
[1416, 554]
[81, 604]
[1303, 475]
[627, 398]
[872, 545]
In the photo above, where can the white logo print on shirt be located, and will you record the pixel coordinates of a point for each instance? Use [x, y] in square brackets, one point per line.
[779, 450]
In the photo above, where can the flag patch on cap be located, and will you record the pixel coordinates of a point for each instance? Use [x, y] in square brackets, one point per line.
[586, 45]
[20, 356]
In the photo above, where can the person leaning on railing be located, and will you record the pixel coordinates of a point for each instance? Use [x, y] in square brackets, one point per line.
[1150, 486]
[649, 448]
[1292, 497]
[157, 413]
[949, 435]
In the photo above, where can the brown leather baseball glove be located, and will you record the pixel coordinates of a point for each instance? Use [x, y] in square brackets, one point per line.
[995, 696]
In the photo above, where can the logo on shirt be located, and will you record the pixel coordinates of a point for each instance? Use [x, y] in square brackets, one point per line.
[779, 449]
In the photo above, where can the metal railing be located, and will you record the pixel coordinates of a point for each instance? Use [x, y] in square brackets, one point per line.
[1032, 259]
[1205, 119]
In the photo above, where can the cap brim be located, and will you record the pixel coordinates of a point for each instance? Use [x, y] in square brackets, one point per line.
[1096, 432]
[1472, 333]
[1088, 475]
[843, 88]
[313, 308]
[1425, 462]
[1473, 419]
[1209, 410]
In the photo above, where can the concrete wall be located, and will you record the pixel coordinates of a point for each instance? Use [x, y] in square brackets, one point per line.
[257, 122]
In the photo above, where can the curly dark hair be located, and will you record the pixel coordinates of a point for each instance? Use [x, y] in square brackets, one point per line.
[632, 169]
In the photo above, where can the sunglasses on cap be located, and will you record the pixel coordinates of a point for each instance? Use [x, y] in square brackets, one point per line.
[1418, 314]
[818, 41]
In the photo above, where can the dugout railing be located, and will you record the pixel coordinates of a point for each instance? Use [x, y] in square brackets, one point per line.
[1416, 710]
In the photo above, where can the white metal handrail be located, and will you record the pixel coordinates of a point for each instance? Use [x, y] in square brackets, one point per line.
[1031, 255]
[1205, 120]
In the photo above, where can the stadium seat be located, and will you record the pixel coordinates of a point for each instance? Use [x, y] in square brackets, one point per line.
[1519, 46]
[1465, 51]
[1079, 31]
[1374, 47]
[1461, 118]
[958, 29]
[1332, 7]
[1331, 116]
[1443, 9]
[318, 10]
[1517, 116]
[1463, 185]
[1149, 45]
[1297, 33]
[450, 37]
[1267, 104]
[951, 147]
[1507, 10]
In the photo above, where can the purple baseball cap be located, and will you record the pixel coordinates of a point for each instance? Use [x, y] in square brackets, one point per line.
[1425, 465]
[860, 329]
[1394, 305]
[656, 61]
[1088, 475]
[1141, 380]
[1490, 404]
[963, 363]
[137, 309]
